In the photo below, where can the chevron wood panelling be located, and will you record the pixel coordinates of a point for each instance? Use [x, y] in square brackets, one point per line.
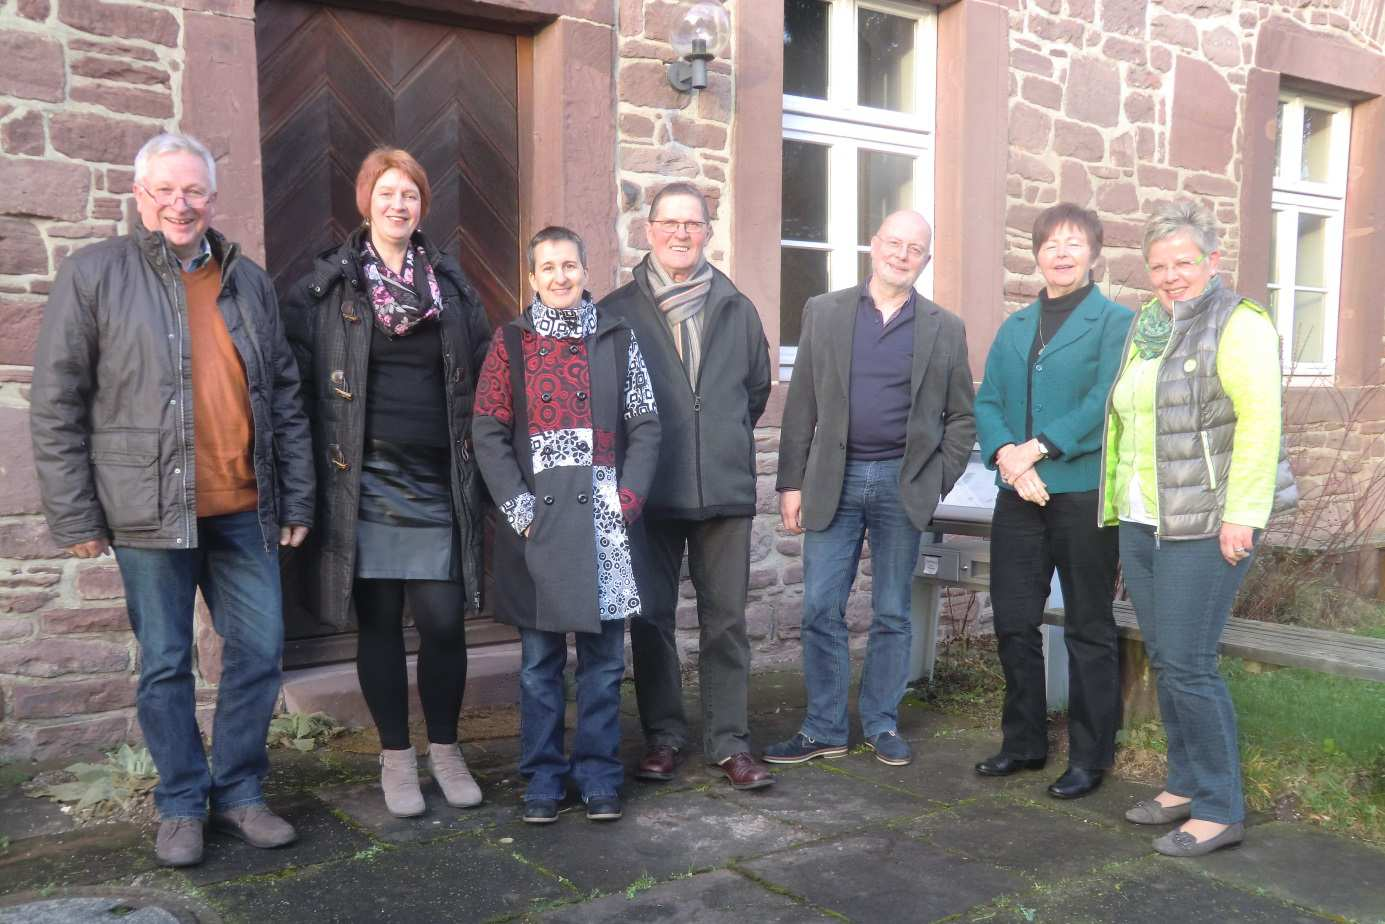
[335, 83]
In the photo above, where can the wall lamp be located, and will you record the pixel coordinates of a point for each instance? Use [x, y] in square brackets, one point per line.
[697, 39]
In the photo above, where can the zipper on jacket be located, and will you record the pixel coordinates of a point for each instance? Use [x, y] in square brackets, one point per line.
[178, 313]
[697, 442]
[1207, 457]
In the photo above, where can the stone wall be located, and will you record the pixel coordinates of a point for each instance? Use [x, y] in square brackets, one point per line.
[83, 83]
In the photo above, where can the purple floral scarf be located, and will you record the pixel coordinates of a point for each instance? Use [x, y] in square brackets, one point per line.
[398, 305]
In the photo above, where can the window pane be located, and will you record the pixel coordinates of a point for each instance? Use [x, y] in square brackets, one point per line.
[1278, 136]
[802, 274]
[1273, 305]
[1312, 244]
[1309, 317]
[1274, 247]
[1317, 145]
[885, 184]
[805, 191]
[805, 48]
[885, 61]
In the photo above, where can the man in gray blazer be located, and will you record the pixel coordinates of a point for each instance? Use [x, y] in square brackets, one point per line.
[878, 426]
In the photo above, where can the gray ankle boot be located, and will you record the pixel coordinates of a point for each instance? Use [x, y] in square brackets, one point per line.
[399, 780]
[454, 779]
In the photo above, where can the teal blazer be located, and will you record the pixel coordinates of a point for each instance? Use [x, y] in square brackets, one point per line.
[1072, 377]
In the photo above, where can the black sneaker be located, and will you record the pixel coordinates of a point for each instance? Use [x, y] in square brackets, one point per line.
[606, 808]
[801, 748]
[540, 811]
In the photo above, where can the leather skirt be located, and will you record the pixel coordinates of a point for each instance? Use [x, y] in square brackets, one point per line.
[405, 529]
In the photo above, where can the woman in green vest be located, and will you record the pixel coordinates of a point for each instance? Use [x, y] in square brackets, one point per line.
[1193, 468]
[1039, 417]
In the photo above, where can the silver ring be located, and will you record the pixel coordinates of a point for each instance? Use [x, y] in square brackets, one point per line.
[1238, 549]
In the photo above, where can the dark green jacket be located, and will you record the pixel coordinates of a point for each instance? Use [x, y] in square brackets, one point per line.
[1071, 380]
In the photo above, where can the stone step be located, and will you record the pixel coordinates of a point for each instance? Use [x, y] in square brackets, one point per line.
[492, 679]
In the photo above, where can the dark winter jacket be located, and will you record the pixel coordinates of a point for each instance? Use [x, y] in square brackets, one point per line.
[112, 406]
[328, 317]
[707, 447]
[567, 435]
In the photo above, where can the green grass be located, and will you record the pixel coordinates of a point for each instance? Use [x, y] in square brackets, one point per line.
[1293, 708]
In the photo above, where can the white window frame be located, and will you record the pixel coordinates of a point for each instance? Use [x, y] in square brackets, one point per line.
[846, 128]
[1292, 197]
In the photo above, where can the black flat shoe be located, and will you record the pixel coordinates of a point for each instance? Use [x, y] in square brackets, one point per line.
[1000, 765]
[1075, 783]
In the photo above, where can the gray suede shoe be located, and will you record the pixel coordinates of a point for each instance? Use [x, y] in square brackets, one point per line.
[454, 779]
[1150, 812]
[399, 780]
[1183, 844]
[179, 842]
[256, 825]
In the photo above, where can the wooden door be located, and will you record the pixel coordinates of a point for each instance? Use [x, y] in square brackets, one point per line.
[335, 83]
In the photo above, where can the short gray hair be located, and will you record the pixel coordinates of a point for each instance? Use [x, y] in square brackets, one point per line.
[1180, 216]
[173, 143]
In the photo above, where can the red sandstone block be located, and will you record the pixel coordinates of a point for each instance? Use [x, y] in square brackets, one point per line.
[13, 628]
[77, 739]
[71, 697]
[645, 83]
[157, 104]
[53, 657]
[123, 20]
[97, 138]
[23, 134]
[99, 582]
[99, 67]
[94, 619]
[46, 189]
[22, 251]
[31, 66]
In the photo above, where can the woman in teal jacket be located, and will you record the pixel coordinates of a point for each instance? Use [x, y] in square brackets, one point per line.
[1039, 416]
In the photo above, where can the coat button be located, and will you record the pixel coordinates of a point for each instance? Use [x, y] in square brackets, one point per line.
[574, 349]
[1039, 368]
[581, 498]
[548, 498]
[581, 396]
[546, 396]
[544, 351]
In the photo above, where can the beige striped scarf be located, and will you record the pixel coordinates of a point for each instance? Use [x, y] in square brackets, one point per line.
[680, 303]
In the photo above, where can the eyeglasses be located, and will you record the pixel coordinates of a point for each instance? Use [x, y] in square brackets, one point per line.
[895, 245]
[195, 196]
[1053, 248]
[690, 228]
[1181, 267]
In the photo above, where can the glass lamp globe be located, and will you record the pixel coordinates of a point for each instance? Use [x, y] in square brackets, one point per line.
[703, 30]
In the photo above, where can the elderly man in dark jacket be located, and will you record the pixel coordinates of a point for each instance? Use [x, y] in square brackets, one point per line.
[709, 362]
[167, 423]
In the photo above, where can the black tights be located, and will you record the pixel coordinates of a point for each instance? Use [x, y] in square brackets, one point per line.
[438, 608]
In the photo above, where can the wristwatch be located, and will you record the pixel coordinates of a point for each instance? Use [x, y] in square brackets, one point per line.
[1043, 448]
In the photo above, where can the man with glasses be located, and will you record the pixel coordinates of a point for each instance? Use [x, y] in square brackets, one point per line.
[877, 427]
[167, 424]
[709, 364]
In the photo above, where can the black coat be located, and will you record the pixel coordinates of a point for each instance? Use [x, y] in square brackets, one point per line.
[328, 317]
[707, 448]
[112, 402]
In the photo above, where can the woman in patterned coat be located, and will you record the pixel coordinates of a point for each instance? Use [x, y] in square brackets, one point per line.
[567, 437]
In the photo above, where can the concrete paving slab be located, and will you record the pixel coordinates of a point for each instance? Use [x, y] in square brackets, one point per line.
[885, 877]
[465, 879]
[1150, 892]
[83, 911]
[941, 770]
[811, 796]
[1307, 866]
[83, 857]
[1106, 806]
[364, 805]
[24, 816]
[677, 833]
[719, 897]
[1042, 844]
[322, 836]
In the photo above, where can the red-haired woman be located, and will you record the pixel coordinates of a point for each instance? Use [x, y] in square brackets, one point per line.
[389, 337]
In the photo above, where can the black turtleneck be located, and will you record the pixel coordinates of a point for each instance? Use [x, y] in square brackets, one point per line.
[1052, 313]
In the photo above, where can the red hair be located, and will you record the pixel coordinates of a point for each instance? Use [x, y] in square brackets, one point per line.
[374, 166]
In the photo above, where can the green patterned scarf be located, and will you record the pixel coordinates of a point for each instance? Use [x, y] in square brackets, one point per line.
[1152, 330]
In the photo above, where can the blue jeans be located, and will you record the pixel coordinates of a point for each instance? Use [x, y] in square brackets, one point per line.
[1183, 591]
[239, 579]
[595, 766]
[870, 504]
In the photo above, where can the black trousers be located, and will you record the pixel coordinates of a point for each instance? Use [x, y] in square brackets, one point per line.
[438, 608]
[1027, 543]
[719, 562]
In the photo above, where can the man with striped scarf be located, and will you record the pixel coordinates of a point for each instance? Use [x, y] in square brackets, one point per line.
[709, 362]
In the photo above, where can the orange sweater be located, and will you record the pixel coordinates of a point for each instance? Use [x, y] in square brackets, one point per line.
[223, 428]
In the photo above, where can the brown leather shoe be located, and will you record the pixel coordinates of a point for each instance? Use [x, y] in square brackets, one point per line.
[660, 762]
[745, 772]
